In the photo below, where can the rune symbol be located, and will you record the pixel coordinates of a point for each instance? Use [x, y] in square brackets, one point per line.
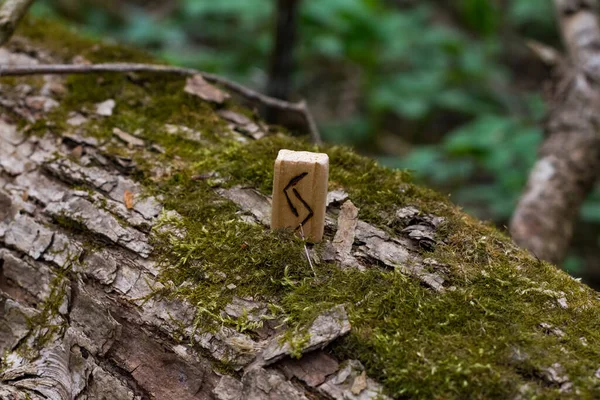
[293, 182]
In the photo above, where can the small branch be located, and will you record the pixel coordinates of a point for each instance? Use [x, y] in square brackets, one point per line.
[311, 123]
[547, 54]
[247, 93]
[11, 13]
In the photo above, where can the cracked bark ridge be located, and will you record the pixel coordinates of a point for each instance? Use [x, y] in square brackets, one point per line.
[100, 336]
[243, 124]
[344, 236]
[197, 86]
[569, 158]
[327, 327]
[351, 383]
[312, 369]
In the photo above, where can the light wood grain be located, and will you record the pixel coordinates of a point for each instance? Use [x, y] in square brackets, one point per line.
[300, 193]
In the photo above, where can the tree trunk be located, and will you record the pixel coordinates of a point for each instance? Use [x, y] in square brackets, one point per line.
[569, 158]
[135, 262]
[282, 57]
[281, 68]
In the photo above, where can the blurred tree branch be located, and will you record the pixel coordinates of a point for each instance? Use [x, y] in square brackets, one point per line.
[11, 13]
[569, 158]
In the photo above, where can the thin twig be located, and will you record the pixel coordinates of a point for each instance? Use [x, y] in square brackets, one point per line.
[68, 69]
[306, 251]
[310, 122]
[11, 13]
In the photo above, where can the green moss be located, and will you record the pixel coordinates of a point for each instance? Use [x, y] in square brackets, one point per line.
[417, 342]
[375, 190]
[218, 250]
[64, 41]
[480, 339]
[70, 224]
[47, 324]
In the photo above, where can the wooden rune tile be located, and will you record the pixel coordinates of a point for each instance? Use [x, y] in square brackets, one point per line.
[300, 193]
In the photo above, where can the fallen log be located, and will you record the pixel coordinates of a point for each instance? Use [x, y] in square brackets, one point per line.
[136, 260]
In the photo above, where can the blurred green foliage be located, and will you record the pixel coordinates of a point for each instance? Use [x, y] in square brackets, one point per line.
[419, 62]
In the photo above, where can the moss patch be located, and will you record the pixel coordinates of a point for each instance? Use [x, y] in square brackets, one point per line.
[218, 251]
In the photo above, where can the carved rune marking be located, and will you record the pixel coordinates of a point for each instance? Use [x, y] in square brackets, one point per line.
[293, 182]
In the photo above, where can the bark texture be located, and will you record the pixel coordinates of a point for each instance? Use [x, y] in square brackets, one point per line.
[569, 158]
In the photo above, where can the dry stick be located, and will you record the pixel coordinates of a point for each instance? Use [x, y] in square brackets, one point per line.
[306, 251]
[67, 69]
[11, 12]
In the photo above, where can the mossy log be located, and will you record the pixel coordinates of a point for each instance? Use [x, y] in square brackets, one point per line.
[136, 261]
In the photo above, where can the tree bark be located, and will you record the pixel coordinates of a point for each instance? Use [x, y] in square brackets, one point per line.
[569, 158]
